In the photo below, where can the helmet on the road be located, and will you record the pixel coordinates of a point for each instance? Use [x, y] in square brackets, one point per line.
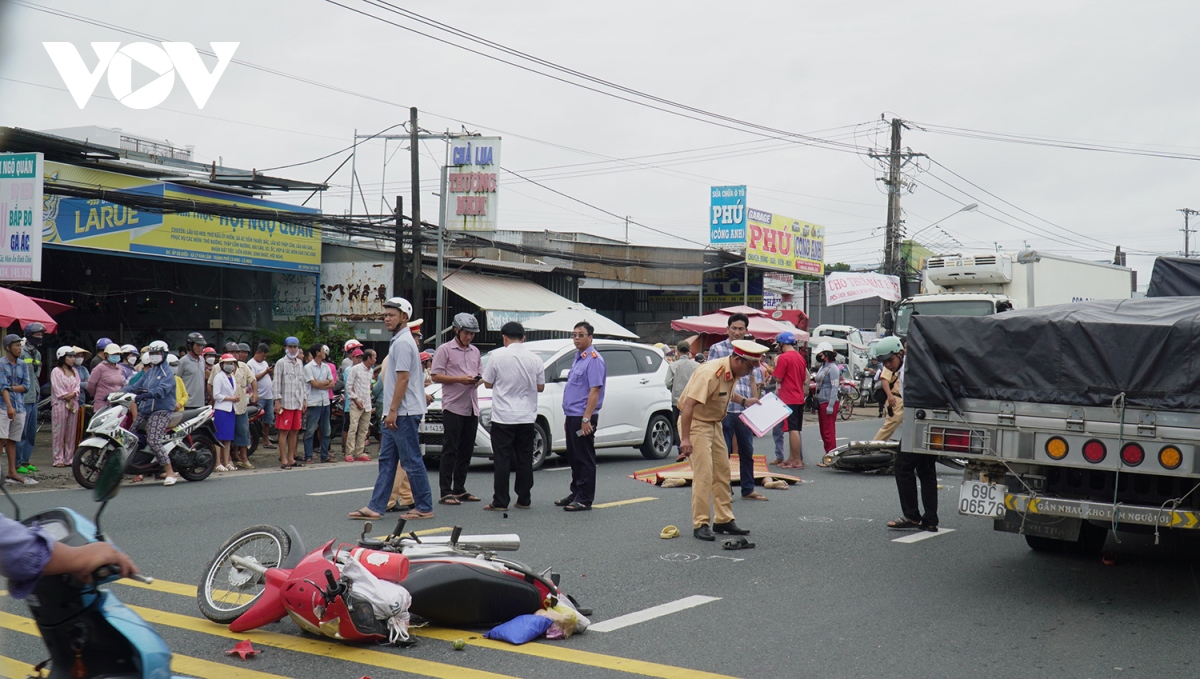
[786, 337]
[400, 304]
[195, 338]
[102, 342]
[466, 322]
[34, 327]
[158, 346]
[886, 348]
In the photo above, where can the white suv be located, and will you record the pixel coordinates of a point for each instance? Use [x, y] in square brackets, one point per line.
[636, 410]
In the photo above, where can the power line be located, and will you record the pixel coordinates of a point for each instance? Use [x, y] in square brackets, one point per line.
[1050, 142]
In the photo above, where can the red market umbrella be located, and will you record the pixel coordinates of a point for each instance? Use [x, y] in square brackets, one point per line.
[17, 307]
[761, 327]
[51, 307]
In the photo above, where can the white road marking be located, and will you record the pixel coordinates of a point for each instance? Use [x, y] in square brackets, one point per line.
[651, 613]
[557, 469]
[717, 556]
[922, 535]
[341, 492]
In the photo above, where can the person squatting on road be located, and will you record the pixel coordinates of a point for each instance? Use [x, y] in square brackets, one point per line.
[358, 394]
[582, 399]
[678, 373]
[64, 406]
[829, 383]
[747, 388]
[516, 377]
[909, 467]
[291, 400]
[702, 409]
[456, 366]
[155, 402]
[404, 398]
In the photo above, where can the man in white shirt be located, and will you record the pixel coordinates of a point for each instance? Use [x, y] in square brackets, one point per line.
[516, 377]
[358, 394]
[320, 381]
[263, 373]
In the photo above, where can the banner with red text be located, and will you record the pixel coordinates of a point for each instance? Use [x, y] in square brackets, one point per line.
[778, 242]
[472, 190]
[842, 286]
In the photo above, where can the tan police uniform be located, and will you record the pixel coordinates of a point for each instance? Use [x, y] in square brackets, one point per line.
[711, 386]
[896, 418]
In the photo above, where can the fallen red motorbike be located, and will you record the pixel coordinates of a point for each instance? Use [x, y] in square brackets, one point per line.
[259, 576]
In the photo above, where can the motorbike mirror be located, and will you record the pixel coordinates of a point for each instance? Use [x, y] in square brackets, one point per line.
[454, 536]
[109, 482]
[366, 529]
[399, 529]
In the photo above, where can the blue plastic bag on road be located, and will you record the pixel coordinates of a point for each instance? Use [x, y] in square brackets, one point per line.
[520, 629]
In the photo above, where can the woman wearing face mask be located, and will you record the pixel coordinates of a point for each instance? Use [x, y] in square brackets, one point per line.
[129, 359]
[828, 381]
[224, 395]
[64, 395]
[156, 401]
[210, 363]
[106, 378]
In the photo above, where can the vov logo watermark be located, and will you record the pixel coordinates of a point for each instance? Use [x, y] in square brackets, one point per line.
[166, 61]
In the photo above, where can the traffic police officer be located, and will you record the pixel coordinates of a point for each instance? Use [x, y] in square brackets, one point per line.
[701, 409]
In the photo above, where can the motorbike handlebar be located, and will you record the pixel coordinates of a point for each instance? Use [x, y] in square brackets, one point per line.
[112, 570]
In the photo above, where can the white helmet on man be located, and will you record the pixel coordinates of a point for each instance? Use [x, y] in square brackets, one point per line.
[159, 346]
[399, 303]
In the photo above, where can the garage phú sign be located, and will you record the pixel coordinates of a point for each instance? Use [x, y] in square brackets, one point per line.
[778, 242]
[472, 186]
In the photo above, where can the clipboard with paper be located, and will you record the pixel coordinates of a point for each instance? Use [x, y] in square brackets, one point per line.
[763, 416]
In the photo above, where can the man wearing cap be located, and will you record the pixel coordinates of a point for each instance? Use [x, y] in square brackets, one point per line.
[516, 377]
[291, 400]
[678, 373]
[404, 401]
[14, 383]
[747, 388]
[192, 370]
[702, 409]
[456, 366]
[582, 399]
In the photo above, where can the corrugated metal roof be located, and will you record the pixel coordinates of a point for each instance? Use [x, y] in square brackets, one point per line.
[501, 293]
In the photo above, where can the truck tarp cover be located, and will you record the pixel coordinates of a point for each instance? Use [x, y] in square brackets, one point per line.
[1075, 354]
[1174, 277]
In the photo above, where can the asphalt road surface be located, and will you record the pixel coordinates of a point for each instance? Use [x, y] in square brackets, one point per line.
[827, 592]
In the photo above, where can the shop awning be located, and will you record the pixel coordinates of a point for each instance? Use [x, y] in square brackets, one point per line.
[503, 298]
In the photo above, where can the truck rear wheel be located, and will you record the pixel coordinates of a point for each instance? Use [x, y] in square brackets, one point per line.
[1041, 544]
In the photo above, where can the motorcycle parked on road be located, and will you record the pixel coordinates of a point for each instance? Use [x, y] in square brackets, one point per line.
[190, 443]
[263, 573]
[86, 629]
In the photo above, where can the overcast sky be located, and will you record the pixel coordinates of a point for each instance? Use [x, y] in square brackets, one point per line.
[1114, 73]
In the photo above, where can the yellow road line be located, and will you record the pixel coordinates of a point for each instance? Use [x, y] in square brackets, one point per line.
[204, 669]
[14, 669]
[325, 649]
[618, 503]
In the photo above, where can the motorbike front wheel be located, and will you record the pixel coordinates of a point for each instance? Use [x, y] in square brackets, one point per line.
[87, 464]
[226, 591]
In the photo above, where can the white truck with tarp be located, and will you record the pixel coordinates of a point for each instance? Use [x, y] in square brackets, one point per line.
[984, 284]
[1072, 420]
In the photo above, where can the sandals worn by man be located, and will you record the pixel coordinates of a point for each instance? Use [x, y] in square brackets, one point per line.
[903, 523]
[364, 514]
[467, 497]
[414, 515]
[755, 496]
[449, 500]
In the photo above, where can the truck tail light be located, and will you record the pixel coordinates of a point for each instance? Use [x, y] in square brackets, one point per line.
[1057, 447]
[1094, 451]
[1132, 454]
[958, 441]
[937, 439]
[1170, 457]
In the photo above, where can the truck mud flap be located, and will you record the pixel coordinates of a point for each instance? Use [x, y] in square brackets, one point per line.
[1053, 527]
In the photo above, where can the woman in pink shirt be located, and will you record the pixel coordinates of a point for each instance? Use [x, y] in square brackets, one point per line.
[106, 378]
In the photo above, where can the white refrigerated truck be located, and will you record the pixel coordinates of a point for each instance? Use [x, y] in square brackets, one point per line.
[983, 284]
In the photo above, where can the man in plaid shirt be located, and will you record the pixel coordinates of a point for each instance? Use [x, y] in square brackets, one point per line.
[733, 426]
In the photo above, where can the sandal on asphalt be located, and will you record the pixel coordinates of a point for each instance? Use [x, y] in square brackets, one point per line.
[449, 500]
[467, 497]
[490, 508]
[364, 515]
[903, 523]
[170, 480]
[564, 502]
[414, 515]
[521, 506]
[578, 507]
[138, 479]
[931, 527]
[755, 496]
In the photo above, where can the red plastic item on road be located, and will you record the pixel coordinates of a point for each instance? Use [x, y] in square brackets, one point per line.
[387, 566]
[244, 649]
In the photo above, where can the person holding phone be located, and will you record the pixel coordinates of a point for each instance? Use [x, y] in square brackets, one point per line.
[456, 366]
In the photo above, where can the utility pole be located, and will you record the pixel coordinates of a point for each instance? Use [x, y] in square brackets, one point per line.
[627, 229]
[1187, 212]
[897, 159]
[398, 282]
[418, 296]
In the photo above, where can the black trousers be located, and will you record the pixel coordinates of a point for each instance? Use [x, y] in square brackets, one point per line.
[458, 442]
[675, 424]
[581, 453]
[910, 467]
[512, 450]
